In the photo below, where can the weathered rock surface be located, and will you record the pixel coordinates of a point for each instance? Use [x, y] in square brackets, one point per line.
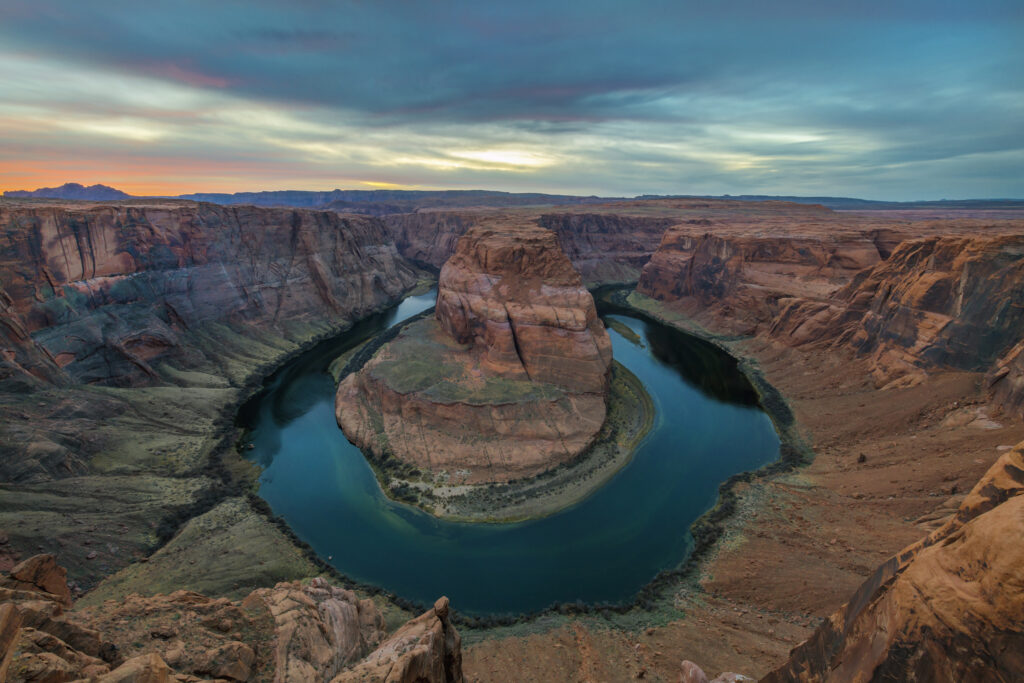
[1006, 381]
[953, 302]
[319, 628]
[739, 273]
[428, 648]
[510, 380]
[948, 608]
[110, 292]
[605, 247]
[292, 633]
[515, 298]
[40, 573]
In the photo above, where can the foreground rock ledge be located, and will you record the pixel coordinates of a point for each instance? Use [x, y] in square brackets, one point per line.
[509, 380]
[293, 633]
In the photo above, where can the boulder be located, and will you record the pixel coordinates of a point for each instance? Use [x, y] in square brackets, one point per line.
[424, 650]
[147, 668]
[232, 661]
[41, 573]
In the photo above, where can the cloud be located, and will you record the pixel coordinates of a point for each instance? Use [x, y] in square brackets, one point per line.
[894, 99]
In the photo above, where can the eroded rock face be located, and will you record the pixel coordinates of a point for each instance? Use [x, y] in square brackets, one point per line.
[289, 633]
[1006, 381]
[603, 247]
[108, 292]
[740, 276]
[517, 301]
[319, 629]
[428, 648]
[952, 302]
[510, 379]
[947, 608]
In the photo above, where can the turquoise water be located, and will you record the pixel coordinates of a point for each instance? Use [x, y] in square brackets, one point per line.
[603, 549]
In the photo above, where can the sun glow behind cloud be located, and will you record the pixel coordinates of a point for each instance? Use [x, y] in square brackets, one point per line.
[915, 105]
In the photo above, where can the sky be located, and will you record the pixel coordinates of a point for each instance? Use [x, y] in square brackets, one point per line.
[896, 100]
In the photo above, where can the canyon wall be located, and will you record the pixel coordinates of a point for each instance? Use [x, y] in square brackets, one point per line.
[511, 378]
[738, 277]
[110, 292]
[948, 608]
[954, 302]
[604, 247]
[903, 297]
[128, 334]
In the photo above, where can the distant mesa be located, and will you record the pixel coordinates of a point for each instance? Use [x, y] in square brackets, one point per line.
[95, 193]
[509, 379]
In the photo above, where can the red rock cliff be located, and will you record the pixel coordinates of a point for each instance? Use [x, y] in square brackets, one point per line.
[948, 608]
[603, 247]
[953, 302]
[107, 292]
[510, 379]
[515, 297]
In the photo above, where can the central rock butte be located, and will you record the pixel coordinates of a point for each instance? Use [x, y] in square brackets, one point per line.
[508, 380]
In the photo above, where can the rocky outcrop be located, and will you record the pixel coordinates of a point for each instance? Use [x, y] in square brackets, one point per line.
[319, 629]
[510, 379]
[291, 633]
[111, 293]
[517, 301]
[428, 648]
[40, 573]
[1006, 381]
[739, 276]
[948, 608]
[953, 302]
[604, 247]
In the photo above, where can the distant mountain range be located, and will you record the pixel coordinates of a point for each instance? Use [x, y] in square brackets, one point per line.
[71, 191]
[381, 202]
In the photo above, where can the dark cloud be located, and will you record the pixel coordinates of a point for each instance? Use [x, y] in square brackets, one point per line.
[740, 91]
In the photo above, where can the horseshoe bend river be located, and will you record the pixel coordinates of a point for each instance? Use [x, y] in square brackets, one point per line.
[604, 549]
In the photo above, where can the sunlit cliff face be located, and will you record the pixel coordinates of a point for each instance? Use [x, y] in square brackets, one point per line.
[910, 100]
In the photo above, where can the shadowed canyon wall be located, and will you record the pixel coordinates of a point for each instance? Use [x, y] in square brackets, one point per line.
[109, 292]
[603, 247]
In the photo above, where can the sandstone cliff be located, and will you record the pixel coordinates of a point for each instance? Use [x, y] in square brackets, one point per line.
[510, 380]
[291, 633]
[128, 332]
[953, 302]
[604, 247]
[111, 292]
[948, 608]
[738, 276]
[515, 298]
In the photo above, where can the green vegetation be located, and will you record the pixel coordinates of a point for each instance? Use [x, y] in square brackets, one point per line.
[625, 330]
[629, 419]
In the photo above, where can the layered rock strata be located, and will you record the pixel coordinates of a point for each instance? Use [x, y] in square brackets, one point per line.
[741, 276]
[948, 608]
[509, 380]
[604, 247]
[290, 633]
[128, 331]
[954, 302]
[109, 292]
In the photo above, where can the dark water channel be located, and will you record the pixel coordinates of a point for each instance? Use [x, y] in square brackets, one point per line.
[604, 549]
